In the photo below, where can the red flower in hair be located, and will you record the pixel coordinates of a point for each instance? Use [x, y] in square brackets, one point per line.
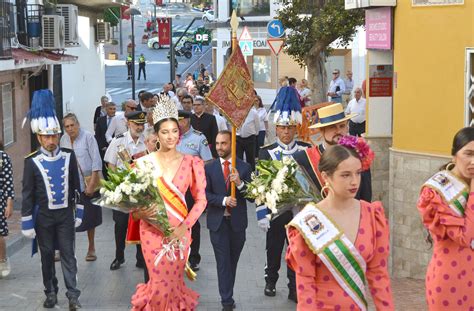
[366, 155]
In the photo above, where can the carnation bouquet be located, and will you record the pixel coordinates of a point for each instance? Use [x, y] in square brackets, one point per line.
[281, 186]
[130, 189]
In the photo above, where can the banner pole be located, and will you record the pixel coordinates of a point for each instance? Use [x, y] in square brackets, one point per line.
[234, 130]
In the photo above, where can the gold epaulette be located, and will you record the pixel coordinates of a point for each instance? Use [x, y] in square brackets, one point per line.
[31, 154]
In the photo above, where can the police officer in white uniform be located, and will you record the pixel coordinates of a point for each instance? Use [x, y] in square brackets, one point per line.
[130, 145]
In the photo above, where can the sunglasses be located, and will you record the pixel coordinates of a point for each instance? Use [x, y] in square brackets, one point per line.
[335, 73]
[132, 108]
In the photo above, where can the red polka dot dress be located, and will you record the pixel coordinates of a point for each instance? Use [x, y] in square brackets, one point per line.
[317, 288]
[450, 273]
[166, 290]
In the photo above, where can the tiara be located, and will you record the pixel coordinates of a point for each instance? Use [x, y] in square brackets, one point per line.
[366, 155]
[164, 109]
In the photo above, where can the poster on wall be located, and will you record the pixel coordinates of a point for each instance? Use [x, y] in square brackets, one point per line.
[380, 80]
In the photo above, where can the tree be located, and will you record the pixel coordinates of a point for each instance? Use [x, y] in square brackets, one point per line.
[313, 25]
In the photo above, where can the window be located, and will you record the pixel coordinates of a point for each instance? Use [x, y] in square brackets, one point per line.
[7, 113]
[262, 69]
[250, 7]
[469, 87]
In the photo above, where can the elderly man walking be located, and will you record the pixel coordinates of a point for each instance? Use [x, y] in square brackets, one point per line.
[89, 164]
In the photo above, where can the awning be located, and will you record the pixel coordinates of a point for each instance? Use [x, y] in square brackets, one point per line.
[24, 58]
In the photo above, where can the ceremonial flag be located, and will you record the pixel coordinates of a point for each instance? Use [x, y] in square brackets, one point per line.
[233, 92]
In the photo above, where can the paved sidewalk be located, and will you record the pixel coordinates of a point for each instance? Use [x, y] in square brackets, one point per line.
[103, 289]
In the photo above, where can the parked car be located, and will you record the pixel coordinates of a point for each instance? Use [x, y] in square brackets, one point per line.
[208, 16]
[153, 43]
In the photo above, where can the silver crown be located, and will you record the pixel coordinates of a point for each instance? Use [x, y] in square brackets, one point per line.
[164, 109]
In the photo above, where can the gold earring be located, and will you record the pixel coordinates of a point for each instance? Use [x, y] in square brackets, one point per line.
[325, 190]
[450, 166]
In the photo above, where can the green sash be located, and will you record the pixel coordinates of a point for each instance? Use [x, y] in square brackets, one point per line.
[453, 190]
[335, 250]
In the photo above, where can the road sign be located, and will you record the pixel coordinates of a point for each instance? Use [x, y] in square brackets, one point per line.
[275, 28]
[246, 47]
[276, 45]
[197, 49]
[202, 36]
[245, 36]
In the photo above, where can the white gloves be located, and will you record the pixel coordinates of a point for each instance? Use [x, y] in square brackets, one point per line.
[264, 224]
[77, 222]
[30, 233]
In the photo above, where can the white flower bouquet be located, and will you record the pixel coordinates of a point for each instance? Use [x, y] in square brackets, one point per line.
[132, 188]
[281, 186]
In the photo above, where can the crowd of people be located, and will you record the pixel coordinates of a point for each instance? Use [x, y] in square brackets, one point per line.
[330, 257]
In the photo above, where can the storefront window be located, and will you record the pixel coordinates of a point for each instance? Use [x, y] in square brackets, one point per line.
[250, 7]
[262, 68]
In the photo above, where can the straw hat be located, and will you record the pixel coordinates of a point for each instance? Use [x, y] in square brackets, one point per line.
[330, 115]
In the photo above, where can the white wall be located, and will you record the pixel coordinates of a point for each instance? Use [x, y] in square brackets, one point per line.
[359, 54]
[84, 81]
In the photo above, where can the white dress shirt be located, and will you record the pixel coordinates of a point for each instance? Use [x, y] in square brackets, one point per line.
[251, 124]
[334, 84]
[263, 116]
[117, 126]
[221, 121]
[355, 106]
[133, 148]
[226, 213]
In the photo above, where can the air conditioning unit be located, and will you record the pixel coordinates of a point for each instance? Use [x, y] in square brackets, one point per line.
[70, 13]
[102, 32]
[53, 32]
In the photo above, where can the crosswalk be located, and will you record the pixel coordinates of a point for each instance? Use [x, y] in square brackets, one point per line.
[121, 91]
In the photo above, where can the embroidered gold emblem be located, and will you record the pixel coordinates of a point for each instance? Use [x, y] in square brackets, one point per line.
[442, 180]
[314, 223]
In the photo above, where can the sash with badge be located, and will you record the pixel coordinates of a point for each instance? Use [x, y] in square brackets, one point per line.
[453, 190]
[335, 250]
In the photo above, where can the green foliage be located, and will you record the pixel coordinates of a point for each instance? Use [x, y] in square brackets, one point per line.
[111, 15]
[314, 24]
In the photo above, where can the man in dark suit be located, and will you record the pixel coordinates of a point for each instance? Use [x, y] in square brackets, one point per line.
[100, 110]
[101, 128]
[226, 216]
[204, 123]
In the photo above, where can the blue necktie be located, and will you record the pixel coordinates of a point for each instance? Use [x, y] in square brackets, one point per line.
[108, 121]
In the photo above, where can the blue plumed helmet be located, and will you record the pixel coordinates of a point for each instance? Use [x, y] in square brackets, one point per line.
[287, 107]
[42, 114]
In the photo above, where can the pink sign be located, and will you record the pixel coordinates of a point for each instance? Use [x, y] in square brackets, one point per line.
[378, 27]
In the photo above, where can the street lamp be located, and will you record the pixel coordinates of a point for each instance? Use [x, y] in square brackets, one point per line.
[132, 12]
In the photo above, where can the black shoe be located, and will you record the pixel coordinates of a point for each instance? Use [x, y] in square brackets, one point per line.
[270, 290]
[228, 307]
[194, 266]
[140, 264]
[51, 301]
[128, 78]
[74, 304]
[292, 296]
[115, 265]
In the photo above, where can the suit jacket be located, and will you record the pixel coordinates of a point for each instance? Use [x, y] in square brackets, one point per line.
[365, 188]
[100, 130]
[216, 191]
[97, 114]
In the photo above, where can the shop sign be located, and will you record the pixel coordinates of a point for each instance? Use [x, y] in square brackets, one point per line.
[380, 80]
[378, 26]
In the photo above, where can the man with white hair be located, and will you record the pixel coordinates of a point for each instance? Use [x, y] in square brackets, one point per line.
[357, 106]
[118, 125]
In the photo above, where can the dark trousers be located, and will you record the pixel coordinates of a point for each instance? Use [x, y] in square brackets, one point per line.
[227, 245]
[57, 226]
[140, 69]
[276, 237]
[121, 225]
[129, 70]
[260, 141]
[194, 256]
[247, 145]
[356, 129]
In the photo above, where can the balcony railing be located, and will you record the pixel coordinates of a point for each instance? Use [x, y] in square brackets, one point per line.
[6, 28]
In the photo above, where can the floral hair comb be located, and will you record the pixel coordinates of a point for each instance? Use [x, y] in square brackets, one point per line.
[366, 155]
